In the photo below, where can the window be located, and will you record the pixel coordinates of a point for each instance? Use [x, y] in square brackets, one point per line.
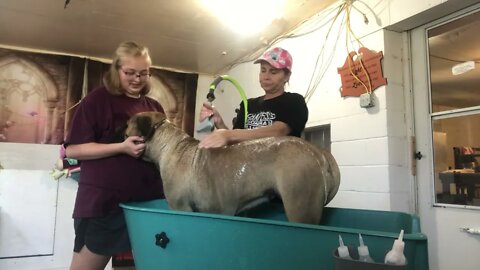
[319, 136]
[455, 109]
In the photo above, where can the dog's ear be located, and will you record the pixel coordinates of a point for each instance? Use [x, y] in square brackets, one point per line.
[145, 127]
[119, 134]
[147, 123]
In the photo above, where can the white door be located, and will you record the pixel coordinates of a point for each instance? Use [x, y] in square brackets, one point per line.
[445, 57]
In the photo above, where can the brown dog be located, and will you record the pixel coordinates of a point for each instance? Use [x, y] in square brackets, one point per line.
[225, 180]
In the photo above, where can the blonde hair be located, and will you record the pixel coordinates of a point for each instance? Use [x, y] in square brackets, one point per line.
[111, 80]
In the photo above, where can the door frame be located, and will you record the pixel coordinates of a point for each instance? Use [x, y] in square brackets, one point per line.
[448, 245]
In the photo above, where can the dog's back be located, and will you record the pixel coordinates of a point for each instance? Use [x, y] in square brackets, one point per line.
[223, 180]
[304, 176]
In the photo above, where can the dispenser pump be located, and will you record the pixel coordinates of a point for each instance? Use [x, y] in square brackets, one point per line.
[396, 256]
[342, 249]
[363, 254]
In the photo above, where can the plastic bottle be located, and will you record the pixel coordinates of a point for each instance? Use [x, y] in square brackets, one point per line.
[363, 254]
[342, 249]
[396, 256]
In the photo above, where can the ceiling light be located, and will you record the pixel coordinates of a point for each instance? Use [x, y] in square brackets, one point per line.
[246, 17]
[463, 67]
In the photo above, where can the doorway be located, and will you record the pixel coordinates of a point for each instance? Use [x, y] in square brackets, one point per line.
[446, 99]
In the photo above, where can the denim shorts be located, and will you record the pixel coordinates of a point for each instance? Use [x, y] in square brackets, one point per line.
[106, 235]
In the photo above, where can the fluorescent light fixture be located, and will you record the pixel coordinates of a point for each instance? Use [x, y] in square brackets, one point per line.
[246, 17]
[463, 67]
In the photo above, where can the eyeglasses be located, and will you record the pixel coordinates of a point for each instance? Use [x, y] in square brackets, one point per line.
[132, 74]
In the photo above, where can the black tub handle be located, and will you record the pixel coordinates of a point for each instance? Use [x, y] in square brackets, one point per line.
[161, 239]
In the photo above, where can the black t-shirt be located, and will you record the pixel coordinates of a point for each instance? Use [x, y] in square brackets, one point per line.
[289, 108]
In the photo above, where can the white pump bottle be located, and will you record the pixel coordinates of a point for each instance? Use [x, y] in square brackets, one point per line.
[342, 249]
[396, 256]
[363, 254]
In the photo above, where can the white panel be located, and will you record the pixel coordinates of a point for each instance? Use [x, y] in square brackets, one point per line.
[397, 151]
[365, 178]
[28, 156]
[360, 126]
[64, 235]
[395, 99]
[401, 202]
[373, 201]
[400, 180]
[380, 95]
[400, 9]
[28, 197]
[396, 124]
[392, 58]
[386, 179]
[361, 152]
[361, 200]
[451, 246]
[377, 151]
[27, 217]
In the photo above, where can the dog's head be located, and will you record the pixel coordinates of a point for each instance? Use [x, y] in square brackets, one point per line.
[144, 124]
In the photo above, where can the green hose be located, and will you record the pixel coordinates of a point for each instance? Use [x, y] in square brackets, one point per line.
[214, 84]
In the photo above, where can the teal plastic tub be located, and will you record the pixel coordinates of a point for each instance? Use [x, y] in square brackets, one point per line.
[262, 238]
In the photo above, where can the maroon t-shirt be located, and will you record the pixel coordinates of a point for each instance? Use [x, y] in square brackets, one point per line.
[104, 183]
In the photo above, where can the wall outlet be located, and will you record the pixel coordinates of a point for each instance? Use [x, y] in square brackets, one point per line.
[366, 100]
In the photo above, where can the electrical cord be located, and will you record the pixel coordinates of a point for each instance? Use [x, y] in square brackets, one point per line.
[319, 72]
[349, 57]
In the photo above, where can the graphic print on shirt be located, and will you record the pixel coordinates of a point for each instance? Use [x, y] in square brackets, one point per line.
[260, 119]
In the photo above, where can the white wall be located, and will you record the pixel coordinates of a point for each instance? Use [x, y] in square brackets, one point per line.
[64, 235]
[39, 159]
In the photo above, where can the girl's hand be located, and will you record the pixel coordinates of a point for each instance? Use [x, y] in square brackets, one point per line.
[134, 146]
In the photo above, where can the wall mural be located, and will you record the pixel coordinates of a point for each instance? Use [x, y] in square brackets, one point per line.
[39, 92]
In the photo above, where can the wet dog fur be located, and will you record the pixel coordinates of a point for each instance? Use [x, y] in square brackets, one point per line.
[225, 180]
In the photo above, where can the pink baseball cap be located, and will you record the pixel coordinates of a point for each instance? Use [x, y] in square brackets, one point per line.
[277, 58]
